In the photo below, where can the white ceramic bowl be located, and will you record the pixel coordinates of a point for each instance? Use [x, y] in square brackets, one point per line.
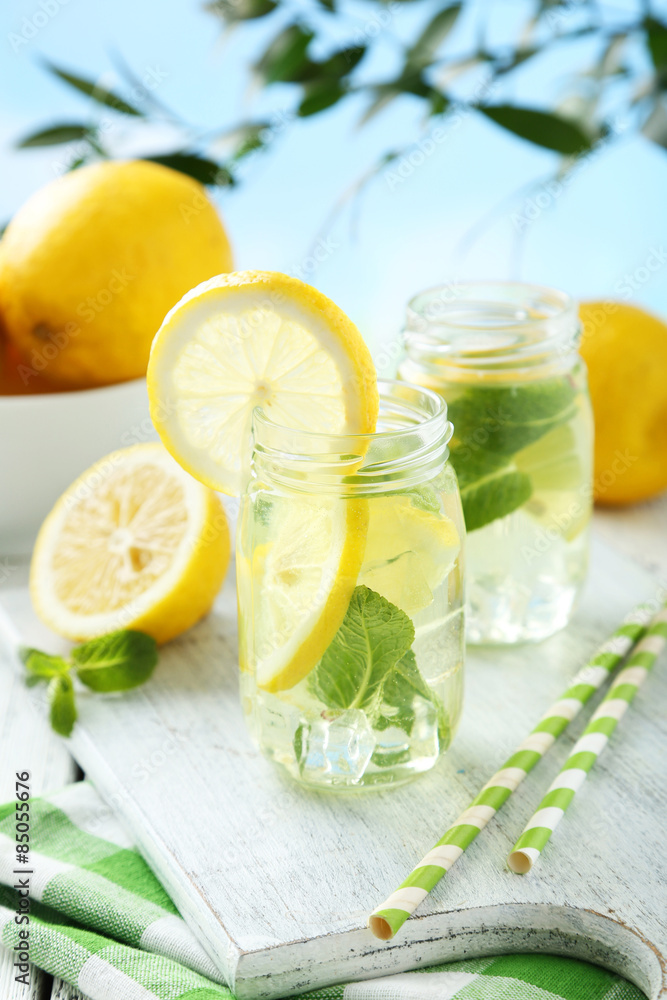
[47, 440]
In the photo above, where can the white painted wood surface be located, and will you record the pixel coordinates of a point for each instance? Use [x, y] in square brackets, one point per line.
[27, 744]
[278, 881]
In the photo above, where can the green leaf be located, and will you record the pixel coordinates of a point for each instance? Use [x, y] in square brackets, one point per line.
[203, 170]
[320, 96]
[116, 662]
[54, 136]
[285, 59]
[373, 637]
[425, 498]
[439, 102]
[656, 37]
[98, 93]
[655, 126]
[491, 425]
[342, 63]
[422, 52]
[539, 127]
[248, 139]
[232, 11]
[369, 666]
[42, 664]
[62, 705]
[263, 509]
[472, 464]
[401, 686]
[494, 497]
[505, 419]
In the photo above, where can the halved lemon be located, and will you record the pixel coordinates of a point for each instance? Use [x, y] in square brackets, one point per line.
[136, 543]
[301, 579]
[247, 339]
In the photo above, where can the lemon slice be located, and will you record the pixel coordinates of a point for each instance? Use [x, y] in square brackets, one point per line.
[301, 580]
[247, 339]
[559, 468]
[135, 542]
[409, 552]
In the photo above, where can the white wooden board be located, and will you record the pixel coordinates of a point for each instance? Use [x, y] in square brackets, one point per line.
[278, 881]
[27, 743]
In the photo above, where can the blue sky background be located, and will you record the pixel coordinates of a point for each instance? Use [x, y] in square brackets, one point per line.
[408, 233]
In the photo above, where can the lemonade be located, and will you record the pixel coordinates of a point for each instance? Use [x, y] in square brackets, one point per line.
[379, 699]
[350, 530]
[505, 359]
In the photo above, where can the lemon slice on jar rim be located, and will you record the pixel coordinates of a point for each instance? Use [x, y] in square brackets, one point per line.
[248, 339]
[257, 338]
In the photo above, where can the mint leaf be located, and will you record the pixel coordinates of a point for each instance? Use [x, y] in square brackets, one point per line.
[491, 425]
[473, 464]
[369, 665]
[116, 662]
[494, 497]
[372, 638]
[42, 665]
[62, 706]
[263, 507]
[425, 497]
[401, 685]
[505, 419]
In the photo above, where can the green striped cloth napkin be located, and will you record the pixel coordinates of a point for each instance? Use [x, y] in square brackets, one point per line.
[101, 921]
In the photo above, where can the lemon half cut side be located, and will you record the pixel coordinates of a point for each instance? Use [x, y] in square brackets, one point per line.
[134, 543]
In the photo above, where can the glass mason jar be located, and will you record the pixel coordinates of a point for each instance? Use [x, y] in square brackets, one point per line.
[504, 355]
[349, 573]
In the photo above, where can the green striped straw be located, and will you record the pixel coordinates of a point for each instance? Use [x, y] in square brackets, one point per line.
[388, 918]
[586, 750]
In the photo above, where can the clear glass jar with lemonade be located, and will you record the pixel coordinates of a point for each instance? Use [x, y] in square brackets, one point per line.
[504, 356]
[350, 530]
[349, 568]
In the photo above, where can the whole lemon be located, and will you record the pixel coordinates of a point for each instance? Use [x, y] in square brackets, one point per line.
[625, 349]
[94, 260]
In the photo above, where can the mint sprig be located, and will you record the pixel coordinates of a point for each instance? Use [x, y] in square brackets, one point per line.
[114, 662]
[491, 425]
[369, 665]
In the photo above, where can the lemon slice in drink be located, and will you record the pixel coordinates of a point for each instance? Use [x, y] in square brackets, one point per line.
[558, 466]
[409, 552]
[136, 543]
[247, 339]
[302, 580]
[264, 339]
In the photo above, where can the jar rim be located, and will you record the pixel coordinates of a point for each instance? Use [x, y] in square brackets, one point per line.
[412, 447]
[490, 324]
[389, 390]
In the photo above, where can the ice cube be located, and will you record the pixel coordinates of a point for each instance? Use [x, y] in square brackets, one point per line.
[336, 747]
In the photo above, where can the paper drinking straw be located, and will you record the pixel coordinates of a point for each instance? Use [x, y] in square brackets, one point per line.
[388, 918]
[586, 750]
